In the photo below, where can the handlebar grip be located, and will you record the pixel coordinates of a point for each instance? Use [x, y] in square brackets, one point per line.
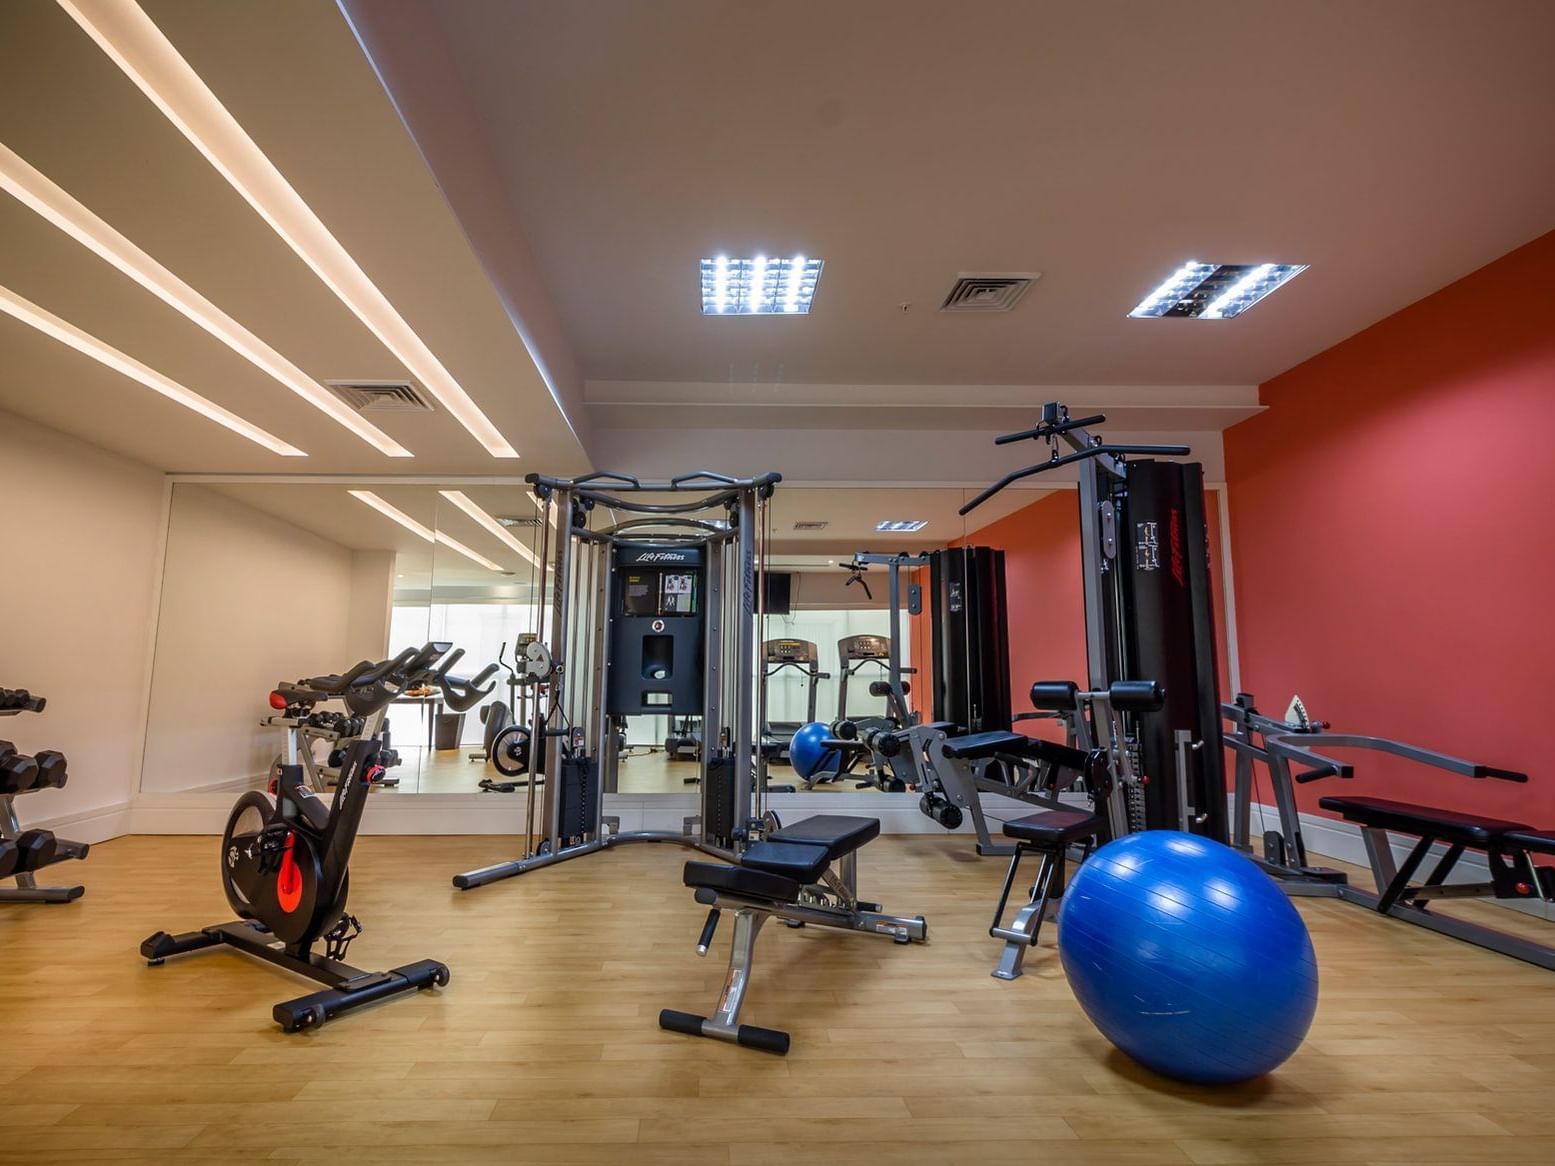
[446, 666]
[1024, 435]
[383, 668]
[1335, 769]
[1502, 774]
[706, 940]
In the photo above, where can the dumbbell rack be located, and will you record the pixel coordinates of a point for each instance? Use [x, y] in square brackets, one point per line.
[27, 889]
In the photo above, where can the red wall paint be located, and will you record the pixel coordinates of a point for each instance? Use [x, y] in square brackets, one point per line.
[1391, 517]
[1041, 545]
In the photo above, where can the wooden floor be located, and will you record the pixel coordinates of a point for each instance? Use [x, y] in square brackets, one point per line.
[545, 1047]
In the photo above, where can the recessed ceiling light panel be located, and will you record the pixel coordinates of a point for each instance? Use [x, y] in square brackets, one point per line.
[901, 525]
[1214, 291]
[759, 286]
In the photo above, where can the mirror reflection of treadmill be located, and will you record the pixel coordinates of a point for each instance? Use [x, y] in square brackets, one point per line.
[782, 654]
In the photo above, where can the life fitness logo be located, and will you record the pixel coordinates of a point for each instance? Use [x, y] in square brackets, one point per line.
[662, 557]
[657, 625]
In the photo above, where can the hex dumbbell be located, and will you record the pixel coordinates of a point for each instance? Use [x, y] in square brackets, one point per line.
[51, 769]
[17, 770]
[35, 849]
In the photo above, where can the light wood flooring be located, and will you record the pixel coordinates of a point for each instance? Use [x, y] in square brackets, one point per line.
[545, 1046]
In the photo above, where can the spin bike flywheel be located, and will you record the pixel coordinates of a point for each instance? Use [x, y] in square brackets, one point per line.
[270, 870]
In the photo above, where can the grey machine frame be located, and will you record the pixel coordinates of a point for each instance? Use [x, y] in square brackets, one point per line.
[1283, 744]
[728, 518]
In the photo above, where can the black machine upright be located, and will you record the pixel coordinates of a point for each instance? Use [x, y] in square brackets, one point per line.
[970, 638]
[1148, 610]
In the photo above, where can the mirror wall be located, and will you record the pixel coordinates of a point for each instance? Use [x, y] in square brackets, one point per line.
[265, 583]
[268, 582]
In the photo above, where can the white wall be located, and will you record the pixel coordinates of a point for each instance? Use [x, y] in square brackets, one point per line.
[81, 533]
[372, 591]
[247, 601]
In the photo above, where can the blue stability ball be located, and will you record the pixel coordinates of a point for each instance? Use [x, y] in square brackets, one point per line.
[1188, 957]
[808, 753]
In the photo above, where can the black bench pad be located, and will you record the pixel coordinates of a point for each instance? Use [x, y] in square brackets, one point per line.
[1055, 828]
[834, 833]
[1408, 818]
[996, 744]
[786, 858]
[979, 745]
[739, 880]
[1538, 841]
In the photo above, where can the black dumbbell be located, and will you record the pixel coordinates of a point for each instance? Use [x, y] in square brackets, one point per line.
[17, 770]
[51, 769]
[20, 698]
[35, 848]
[8, 857]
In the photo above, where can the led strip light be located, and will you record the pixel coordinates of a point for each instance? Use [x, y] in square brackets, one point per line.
[422, 532]
[134, 43]
[34, 190]
[67, 333]
[466, 504]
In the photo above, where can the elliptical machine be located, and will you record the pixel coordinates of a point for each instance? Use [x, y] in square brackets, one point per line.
[284, 856]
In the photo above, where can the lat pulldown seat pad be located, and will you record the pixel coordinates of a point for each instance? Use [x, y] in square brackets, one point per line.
[1055, 828]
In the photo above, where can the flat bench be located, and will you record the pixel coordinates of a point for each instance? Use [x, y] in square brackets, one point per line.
[788, 875]
[1508, 846]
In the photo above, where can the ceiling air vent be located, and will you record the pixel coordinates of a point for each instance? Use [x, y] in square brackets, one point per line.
[810, 525]
[987, 293]
[380, 396]
[521, 520]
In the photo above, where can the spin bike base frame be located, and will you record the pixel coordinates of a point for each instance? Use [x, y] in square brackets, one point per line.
[347, 987]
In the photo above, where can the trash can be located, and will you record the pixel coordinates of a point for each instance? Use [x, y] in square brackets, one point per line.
[449, 728]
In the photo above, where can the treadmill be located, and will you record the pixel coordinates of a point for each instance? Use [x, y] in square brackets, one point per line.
[803, 656]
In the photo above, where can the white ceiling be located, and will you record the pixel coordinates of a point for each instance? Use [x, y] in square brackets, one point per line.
[560, 168]
[291, 73]
[1393, 145]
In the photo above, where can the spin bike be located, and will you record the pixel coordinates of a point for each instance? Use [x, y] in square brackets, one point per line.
[284, 856]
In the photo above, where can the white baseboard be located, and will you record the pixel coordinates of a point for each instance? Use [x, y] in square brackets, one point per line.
[98, 824]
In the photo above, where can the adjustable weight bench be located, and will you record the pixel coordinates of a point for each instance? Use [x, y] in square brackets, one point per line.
[804, 873]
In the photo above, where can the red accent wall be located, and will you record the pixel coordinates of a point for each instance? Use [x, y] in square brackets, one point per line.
[1393, 535]
[1041, 545]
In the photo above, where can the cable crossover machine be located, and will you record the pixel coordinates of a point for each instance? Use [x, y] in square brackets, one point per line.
[656, 607]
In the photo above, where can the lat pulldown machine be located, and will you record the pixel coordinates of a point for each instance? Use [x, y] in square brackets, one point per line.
[1148, 615]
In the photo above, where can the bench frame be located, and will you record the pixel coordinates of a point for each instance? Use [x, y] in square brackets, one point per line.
[831, 901]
